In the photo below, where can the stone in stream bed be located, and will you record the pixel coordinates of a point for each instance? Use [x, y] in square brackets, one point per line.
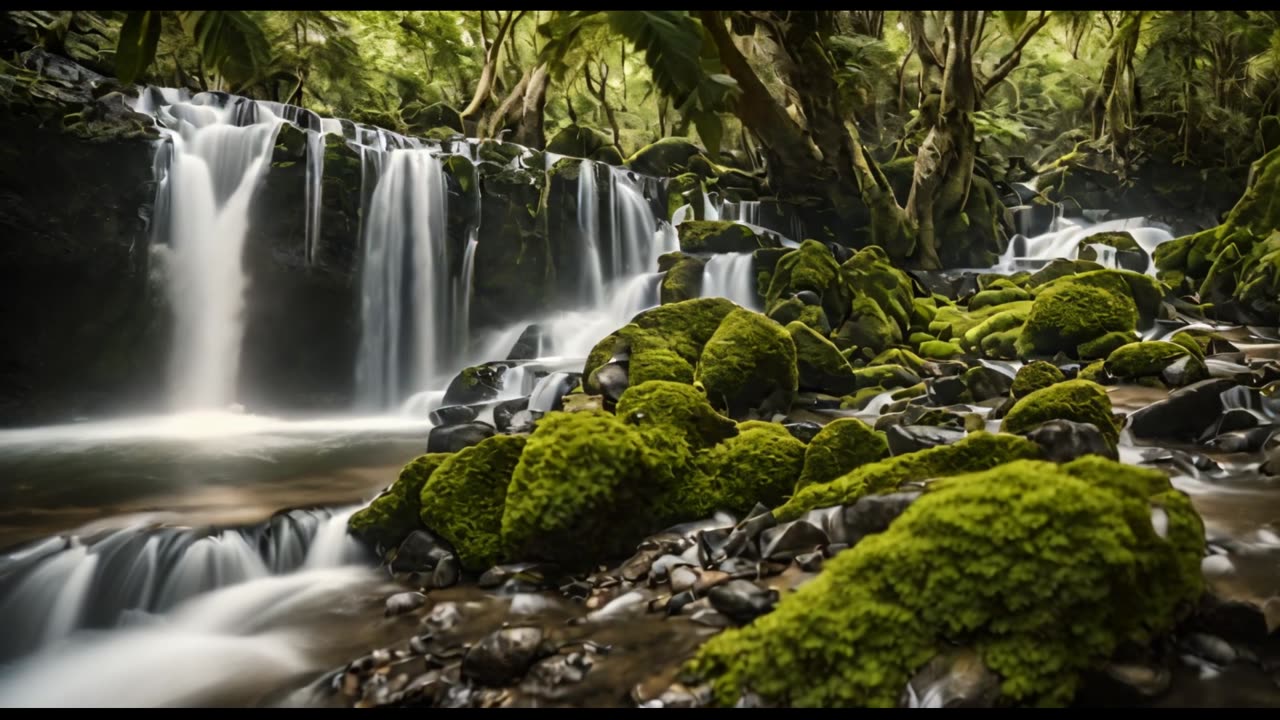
[954, 679]
[420, 552]
[452, 438]
[1184, 415]
[503, 656]
[742, 601]
[612, 380]
[452, 415]
[404, 602]
[784, 542]
[510, 416]
[904, 439]
[1064, 440]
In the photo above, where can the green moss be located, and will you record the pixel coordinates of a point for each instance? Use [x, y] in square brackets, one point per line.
[1043, 570]
[841, 446]
[899, 356]
[868, 327]
[1060, 268]
[906, 393]
[885, 376]
[676, 409]
[462, 501]
[720, 236]
[658, 363]
[664, 158]
[1077, 400]
[810, 267]
[999, 296]
[977, 451]
[1036, 375]
[683, 278]
[1121, 241]
[682, 328]
[395, 513]
[1102, 346]
[760, 465]
[873, 280]
[1072, 313]
[684, 189]
[954, 322]
[819, 364]
[1192, 343]
[861, 398]
[1010, 319]
[1094, 372]
[939, 350]
[1001, 345]
[1142, 359]
[581, 491]
[1145, 291]
[749, 363]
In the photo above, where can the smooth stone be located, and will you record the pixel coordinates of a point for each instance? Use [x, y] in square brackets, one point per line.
[905, 439]
[625, 605]
[708, 579]
[682, 578]
[678, 601]
[529, 345]
[536, 574]
[639, 564]
[421, 551]
[1065, 440]
[666, 565]
[985, 383]
[404, 602]
[447, 573]
[711, 546]
[741, 600]
[503, 655]
[1232, 420]
[476, 384]
[945, 390]
[710, 617]
[788, 540]
[452, 415]
[505, 412]
[1211, 648]
[872, 514]
[458, 437]
[808, 297]
[612, 379]
[803, 430]
[739, 567]
[810, 562]
[554, 672]
[1242, 441]
[549, 395]
[443, 616]
[742, 539]
[1185, 414]
[1233, 621]
[954, 679]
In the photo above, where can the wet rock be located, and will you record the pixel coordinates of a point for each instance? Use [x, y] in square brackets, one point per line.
[548, 676]
[1222, 368]
[985, 383]
[1233, 620]
[742, 601]
[506, 412]
[955, 679]
[1243, 441]
[503, 655]
[452, 415]
[810, 562]
[803, 430]
[905, 439]
[741, 540]
[708, 579]
[946, 390]
[1123, 684]
[786, 541]
[476, 384]
[418, 644]
[710, 617]
[1065, 440]
[535, 576]
[447, 573]
[421, 551]
[808, 297]
[443, 616]
[612, 379]
[404, 602]
[682, 578]
[1231, 420]
[1210, 647]
[626, 605]
[711, 546]
[456, 437]
[637, 566]
[1185, 414]
[677, 602]
[739, 567]
[549, 395]
[665, 566]
[529, 344]
[834, 549]
[872, 514]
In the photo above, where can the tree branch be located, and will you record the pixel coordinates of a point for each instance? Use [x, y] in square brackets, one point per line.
[1014, 56]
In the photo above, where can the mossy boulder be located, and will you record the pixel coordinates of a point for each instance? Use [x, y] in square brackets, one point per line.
[839, 447]
[721, 236]
[749, 363]
[396, 512]
[1147, 359]
[997, 296]
[462, 501]
[1060, 267]
[1129, 254]
[1077, 400]
[819, 364]
[759, 465]
[940, 350]
[1036, 375]
[674, 409]
[581, 491]
[1044, 570]
[810, 267]
[578, 142]
[667, 157]
[977, 451]
[1102, 346]
[1071, 313]
[683, 278]
[685, 189]
[1145, 291]
[661, 334]
[883, 310]
[435, 115]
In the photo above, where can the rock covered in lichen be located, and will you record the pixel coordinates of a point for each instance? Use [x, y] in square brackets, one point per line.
[994, 560]
[1035, 375]
[1077, 400]
[841, 446]
[759, 465]
[1070, 313]
[748, 364]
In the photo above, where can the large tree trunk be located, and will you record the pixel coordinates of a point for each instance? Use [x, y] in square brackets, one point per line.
[1118, 86]
[522, 110]
[484, 88]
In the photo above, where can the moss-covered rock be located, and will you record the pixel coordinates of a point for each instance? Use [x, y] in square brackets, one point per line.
[1060, 267]
[683, 278]
[667, 157]
[1145, 291]
[1070, 313]
[998, 296]
[581, 491]
[1036, 375]
[676, 409]
[1077, 400]
[462, 501]
[1103, 345]
[759, 465]
[1128, 253]
[819, 364]
[954, 323]
[1145, 359]
[840, 447]
[939, 350]
[749, 363]
[810, 267]
[685, 189]
[977, 451]
[680, 328]
[883, 310]
[396, 512]
[1044, 570]
[578, 142]
[721, 236]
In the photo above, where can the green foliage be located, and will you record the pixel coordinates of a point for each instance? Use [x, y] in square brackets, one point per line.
[136, 47]
[1044, 570]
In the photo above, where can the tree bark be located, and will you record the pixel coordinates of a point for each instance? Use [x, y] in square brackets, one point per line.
[484, 88]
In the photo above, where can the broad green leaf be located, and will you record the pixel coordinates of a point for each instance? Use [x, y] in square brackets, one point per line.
[136, 47]
[230, 42]
[710, 130]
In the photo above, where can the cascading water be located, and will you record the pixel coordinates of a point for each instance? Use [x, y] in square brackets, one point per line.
[731, 276]
[407, 296]
[1067, 234]
[215, 156]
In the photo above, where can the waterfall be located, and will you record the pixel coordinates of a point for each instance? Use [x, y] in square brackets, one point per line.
[1066, 235]
[60, 585]
[591, 275]
[731, 276]
[406, 294]
[214, 157]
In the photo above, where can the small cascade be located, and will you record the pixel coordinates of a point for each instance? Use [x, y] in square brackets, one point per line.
[731, 276]
[216, 151]
[407, 296]
[54, 587]
[591, 276]
[1066, 234]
